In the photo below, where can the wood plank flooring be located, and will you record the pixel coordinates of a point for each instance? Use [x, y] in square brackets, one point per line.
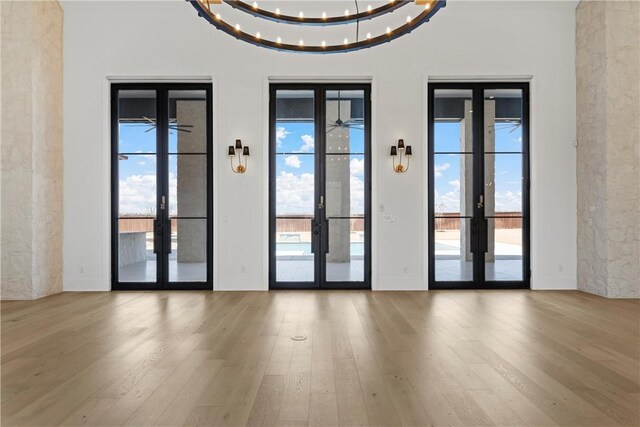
[472, 358]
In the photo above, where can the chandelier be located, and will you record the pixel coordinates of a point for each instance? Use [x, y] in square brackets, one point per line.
[213, 11]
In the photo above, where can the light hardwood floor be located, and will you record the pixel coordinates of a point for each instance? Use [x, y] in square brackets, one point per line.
[389, 358]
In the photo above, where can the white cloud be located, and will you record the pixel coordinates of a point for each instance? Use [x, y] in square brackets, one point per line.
[508, 201]
[138, 195]
[357, 195]
[440, 168]
[294, 193]
[281, 135]
[292, 161]
[357, 167]
[450, 201]
[308, 144]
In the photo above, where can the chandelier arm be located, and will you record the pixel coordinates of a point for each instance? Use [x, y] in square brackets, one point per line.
[425, 16]
[330, 20]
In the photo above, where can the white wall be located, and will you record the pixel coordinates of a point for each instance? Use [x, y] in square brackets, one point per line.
[466, 38]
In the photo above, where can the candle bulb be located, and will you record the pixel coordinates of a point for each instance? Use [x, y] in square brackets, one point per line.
[245, 151]
[238, 144]
[394, 151]
[401, 144]
[232, 151]
[408, 151]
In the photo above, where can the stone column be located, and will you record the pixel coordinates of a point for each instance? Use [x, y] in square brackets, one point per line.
[466, 181]
[192, 184]
[338, 184]
[31, 151]
[490, 176]
[608, 153]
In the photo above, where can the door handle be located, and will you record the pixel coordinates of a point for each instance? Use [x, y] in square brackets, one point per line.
[480, 202]
[326, 236]
[168, 236]
[321, 204]
[485, 235]
[157, 234]
[163, 204]
[314, 233]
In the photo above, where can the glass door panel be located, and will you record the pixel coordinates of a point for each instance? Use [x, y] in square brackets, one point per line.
[137, 173]
[187, 181]
[294, 181]
[504, 164]
[344, 185]
[453, 195]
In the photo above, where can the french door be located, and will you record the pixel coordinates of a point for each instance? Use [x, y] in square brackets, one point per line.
[320, 186]
[479, 185]
[161, 192]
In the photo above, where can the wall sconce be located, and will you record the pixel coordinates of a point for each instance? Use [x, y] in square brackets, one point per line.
[242, 153]
[400, 167]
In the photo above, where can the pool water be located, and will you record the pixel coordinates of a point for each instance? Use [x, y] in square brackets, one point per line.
[357, 248]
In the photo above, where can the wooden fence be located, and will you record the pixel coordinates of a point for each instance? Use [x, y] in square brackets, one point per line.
[449, 221]
[302, 223]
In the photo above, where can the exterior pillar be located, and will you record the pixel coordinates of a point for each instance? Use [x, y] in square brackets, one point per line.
[338, 184]
[191, 182]
[490, 176]
[466, 178]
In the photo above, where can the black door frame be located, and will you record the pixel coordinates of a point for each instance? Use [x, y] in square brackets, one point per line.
[162, 156]
[478, 222]
[319, 244]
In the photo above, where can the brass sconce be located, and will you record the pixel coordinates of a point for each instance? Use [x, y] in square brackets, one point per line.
[400, 167]
[242, 153]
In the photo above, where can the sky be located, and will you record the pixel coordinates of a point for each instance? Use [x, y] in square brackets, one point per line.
[295, 170]
[508, 168]
[137, 174]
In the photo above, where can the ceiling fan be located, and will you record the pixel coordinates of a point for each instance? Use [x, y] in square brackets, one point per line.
[510, 125]
[354, 123]
[173, 125]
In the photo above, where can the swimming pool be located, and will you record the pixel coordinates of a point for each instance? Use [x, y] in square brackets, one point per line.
[297, 248]
[357, 248]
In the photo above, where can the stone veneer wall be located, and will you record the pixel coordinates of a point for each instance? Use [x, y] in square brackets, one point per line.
[31, 151]
[608, 155]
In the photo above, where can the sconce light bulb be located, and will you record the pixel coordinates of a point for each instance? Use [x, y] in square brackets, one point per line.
[279, 40]
[369, 8]
[258, 35]
[368, 36]
[277, 11]
[324, 15]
